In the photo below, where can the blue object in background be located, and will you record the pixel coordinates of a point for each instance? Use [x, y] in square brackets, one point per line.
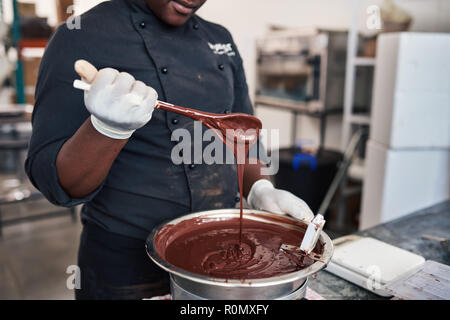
[20, 87]
[305, 158]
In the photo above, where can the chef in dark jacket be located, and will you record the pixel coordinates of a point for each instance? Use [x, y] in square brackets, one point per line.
[111, 151]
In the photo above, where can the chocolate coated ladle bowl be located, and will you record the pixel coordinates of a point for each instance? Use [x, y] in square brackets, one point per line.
[187, 285]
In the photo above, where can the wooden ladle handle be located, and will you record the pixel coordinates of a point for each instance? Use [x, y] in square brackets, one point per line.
[85, 70]
[88, 72]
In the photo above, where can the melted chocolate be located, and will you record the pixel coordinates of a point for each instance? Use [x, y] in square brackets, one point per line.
[245, 127]
[244, 132]
[214, 248]
[225, 249]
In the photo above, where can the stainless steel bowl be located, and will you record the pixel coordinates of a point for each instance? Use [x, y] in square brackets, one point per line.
[230, 289]
[179, 293]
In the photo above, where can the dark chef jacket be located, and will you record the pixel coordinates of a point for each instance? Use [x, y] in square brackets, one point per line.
[191, 65]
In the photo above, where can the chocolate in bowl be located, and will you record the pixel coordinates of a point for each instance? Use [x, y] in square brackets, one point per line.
[212, 247]
[191, 285]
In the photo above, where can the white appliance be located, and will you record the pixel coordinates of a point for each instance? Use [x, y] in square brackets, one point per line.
[372, 264]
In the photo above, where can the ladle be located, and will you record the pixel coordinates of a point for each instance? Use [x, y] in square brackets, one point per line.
[243, 128]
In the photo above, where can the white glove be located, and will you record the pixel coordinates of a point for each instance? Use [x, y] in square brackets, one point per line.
[264, 196]
[119, 104]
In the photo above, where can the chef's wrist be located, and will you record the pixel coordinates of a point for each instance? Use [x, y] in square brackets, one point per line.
[256, 189]
[109, 131]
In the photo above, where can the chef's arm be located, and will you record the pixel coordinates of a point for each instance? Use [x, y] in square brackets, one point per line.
[85, 159]
[119, 105]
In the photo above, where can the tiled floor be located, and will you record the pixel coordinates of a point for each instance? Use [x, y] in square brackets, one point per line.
[34, 256]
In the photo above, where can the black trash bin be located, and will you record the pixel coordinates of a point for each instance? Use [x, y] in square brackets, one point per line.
[307, 175]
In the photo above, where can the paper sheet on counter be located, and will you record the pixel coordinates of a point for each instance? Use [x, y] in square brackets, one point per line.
[431, 282]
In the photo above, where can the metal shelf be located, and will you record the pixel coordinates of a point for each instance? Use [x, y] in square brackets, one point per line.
[364, 61]
[298, 107]
[353, 62]
[356, 169]
[360, 119]
[356, 166]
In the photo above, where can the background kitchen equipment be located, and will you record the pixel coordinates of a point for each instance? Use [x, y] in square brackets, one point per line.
[307, 67]
[194, 285]
[303, 70]
[307, 174]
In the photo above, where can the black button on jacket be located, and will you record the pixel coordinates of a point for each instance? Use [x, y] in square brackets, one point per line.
[143, 187]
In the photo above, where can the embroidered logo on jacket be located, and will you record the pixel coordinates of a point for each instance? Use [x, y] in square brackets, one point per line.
[222, 48]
